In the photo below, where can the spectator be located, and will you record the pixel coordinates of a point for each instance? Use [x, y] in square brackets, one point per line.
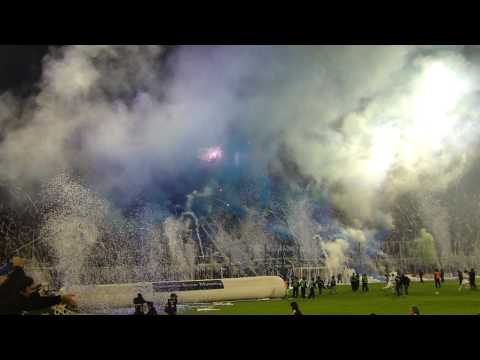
[171, 307]
[295, 309]
[420, 274]
[27, 298]
[139, 304]
[151, 308]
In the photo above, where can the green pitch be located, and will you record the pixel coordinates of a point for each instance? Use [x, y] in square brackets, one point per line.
[449, 301]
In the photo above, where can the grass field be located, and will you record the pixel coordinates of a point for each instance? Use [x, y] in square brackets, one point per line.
[449, 301]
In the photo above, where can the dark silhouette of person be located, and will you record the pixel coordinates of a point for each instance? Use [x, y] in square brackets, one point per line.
[442, 275]
[311, 288]
[26, 297]
[151, 308]
[170, 307]
[303, 288]
[339, 278]
[398, 284]
[420, 274]
[139, 304]
[405, 283]
[320, 285]
[333, 285]
[472, 279]
[460, 277]
[437, 276]
[364, 283]
[295, 309]
[174, 298]
[352, 282]
[295, 286]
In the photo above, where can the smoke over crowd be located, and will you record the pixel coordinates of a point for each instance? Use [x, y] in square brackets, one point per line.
[332, 139]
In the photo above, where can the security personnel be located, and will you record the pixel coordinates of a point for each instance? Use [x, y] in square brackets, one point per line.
[398, 284]
[364, 283]
[303, 288]
[295, 286]
[352, 282]
[320, 285]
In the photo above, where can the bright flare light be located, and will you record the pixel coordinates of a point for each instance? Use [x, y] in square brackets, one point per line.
[211, 154]
[430, 120]
[439, 91]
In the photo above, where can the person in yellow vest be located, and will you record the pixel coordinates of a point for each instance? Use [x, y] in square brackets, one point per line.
[364, 283]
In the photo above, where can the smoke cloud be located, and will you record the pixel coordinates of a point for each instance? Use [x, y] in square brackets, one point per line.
[363, 124]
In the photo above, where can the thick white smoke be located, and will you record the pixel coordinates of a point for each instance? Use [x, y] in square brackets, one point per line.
[366, 122]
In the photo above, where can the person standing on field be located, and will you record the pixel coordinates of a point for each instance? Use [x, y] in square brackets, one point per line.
[311, 288]
[472, 279]
[364, 283]
[460, 277]
[303, 288]
[437, 277]
[295, 286]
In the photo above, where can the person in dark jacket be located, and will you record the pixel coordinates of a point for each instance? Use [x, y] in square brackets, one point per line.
[303, 287]
[398, 284]
[405, 283]
[352, 282]
[333, 285]
[442, 275]
[151, 308]
[174, 298]
[139, 304]
[420, 274]
[460, 277]
[311, 289]
[12, 282]
[320, 285]
[171, 307]
[295, 286]
[27, 298]
[472, 279]
[295, 309]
